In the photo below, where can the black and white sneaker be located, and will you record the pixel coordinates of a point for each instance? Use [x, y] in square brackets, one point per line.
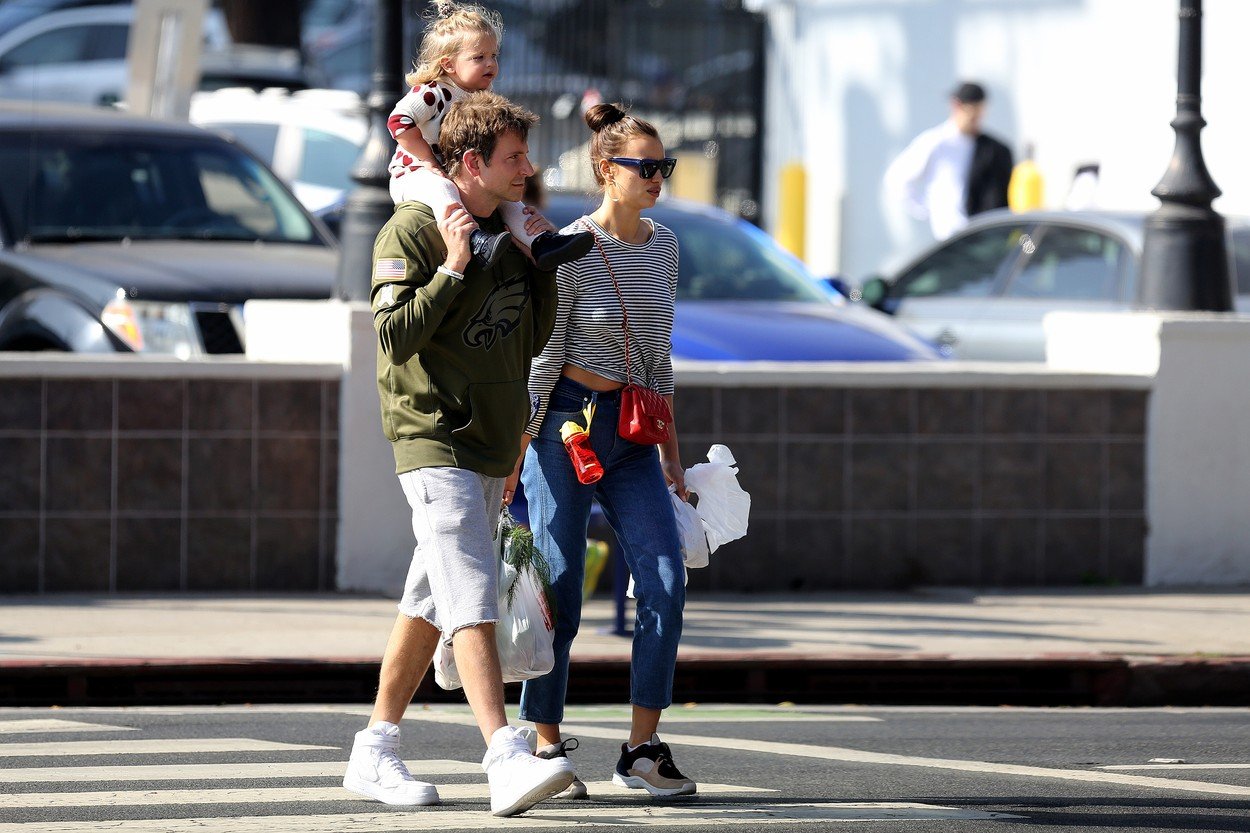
[650, 767]
[560, 750]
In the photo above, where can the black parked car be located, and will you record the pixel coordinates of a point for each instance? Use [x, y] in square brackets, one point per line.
[123, 234]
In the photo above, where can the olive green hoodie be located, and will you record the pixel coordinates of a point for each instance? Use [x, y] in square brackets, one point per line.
[454, 356]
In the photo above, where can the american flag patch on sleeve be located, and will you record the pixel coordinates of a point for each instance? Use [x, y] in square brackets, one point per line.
[389, 267]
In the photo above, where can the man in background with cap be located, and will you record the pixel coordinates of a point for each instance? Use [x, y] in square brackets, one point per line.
[953, 171]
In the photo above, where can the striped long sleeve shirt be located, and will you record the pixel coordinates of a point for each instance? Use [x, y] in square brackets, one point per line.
[589, 330]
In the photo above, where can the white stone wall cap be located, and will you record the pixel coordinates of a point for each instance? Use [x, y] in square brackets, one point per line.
[106, 366]
[1204, 325]
[951, 374]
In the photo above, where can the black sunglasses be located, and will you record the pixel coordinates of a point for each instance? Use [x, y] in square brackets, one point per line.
[647, 167]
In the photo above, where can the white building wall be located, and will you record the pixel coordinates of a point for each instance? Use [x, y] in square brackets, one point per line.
[850, 82]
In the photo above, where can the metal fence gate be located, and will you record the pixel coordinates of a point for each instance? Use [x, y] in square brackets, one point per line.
[695, 68]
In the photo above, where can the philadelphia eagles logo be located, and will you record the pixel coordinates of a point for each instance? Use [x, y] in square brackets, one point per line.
[499, 314]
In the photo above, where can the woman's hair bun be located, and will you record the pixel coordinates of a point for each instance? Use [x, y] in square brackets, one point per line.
[602, 115]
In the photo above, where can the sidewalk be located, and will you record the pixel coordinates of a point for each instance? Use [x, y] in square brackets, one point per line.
[1071, 647]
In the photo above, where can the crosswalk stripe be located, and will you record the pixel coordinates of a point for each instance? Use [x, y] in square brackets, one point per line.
[147, 747]
[699, 714]
[1176, 766]
[264, 795]
[715, 718]
[14, 727]
[838, 753]
[642, 813]
[834, 753]
[216, 772]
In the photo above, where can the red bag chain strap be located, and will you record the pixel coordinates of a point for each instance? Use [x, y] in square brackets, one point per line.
[645, 415]
[620, 297]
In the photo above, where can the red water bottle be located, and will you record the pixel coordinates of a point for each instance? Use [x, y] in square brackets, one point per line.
[577, 444]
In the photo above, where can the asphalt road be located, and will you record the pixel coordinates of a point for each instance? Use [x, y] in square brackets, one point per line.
[277, 769]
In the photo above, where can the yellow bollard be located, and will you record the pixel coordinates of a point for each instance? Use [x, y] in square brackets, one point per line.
[792, 210]
[1026, 190]
[596, 558]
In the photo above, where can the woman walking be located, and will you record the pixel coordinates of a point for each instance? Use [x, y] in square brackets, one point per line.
[627, 280]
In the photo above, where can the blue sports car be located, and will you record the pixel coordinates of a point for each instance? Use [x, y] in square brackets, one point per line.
[741, 297]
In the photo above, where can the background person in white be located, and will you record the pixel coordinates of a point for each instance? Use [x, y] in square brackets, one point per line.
[930, 176]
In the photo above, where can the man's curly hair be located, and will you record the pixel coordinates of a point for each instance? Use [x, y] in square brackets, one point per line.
[475, 123]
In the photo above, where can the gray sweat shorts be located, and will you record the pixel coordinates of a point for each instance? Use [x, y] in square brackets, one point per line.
[453, 579]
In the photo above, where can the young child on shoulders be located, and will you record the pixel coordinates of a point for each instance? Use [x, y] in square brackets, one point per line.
[460, 55]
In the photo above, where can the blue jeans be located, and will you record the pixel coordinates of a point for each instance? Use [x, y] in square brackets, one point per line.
[636, 503]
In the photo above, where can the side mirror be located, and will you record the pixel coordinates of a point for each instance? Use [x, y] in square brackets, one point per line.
[838, 284]
[874, 291]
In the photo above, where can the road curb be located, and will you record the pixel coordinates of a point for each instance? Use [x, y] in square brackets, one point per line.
[1068, 680]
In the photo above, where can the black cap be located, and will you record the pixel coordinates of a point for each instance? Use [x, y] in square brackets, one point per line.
[969, 92]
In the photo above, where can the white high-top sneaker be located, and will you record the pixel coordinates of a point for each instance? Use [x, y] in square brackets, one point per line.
[519, 780]
[376, 771]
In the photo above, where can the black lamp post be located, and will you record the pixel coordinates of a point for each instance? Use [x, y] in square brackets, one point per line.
[1184, 255]
[369, 204]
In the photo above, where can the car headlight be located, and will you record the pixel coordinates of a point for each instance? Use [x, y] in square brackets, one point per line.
[153, 327]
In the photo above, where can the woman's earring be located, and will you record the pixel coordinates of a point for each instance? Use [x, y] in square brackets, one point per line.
[608, 191]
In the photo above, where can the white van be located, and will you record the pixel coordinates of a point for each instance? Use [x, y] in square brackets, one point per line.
[310, 138]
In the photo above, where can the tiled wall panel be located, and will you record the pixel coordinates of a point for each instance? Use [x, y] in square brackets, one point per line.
[867, 488]
[152, 485]
[141, 485]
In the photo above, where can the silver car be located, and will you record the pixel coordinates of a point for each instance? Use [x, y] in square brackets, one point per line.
[78, 56]
[983, 293]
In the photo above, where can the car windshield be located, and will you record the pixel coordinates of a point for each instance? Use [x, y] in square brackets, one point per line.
[79, 186]
[260, 139]
[733, 261]
[328, 160]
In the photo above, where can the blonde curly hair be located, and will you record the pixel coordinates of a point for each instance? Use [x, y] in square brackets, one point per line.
[450, 25]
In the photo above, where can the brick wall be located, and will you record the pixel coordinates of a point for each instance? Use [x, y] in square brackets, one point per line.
[872, 487]
[227, 479]
[154, 484]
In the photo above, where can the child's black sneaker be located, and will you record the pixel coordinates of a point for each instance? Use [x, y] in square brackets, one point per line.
[550, 249]
[650, 767]
[487, 248]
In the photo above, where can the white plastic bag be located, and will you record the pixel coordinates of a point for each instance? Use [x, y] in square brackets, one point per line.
[719, 517]
[525, 633]
[723, 505]
[690, 530]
